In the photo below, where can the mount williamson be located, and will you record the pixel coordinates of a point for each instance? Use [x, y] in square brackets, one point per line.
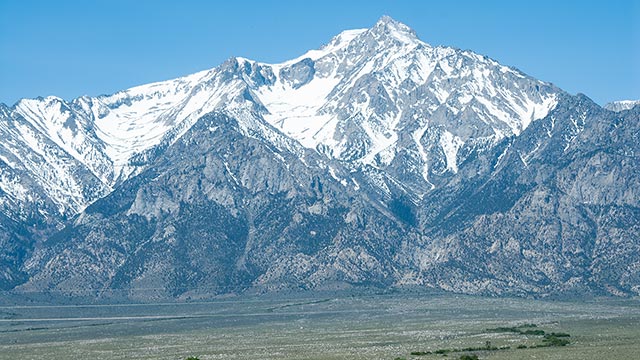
[376, 160]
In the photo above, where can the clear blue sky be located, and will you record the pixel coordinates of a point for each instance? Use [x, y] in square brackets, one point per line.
[71, 48]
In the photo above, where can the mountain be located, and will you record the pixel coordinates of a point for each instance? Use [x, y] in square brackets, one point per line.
[323, 99]
[212, 223]
[555, 210]
[375, 160]
[621, 105]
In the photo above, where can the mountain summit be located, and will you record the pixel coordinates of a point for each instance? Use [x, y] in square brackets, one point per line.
[386, 27]
[350, 100]
[374, 160]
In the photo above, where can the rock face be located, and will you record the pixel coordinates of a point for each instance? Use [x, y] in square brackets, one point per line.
[375, 160]
[222, 209]
[622, 105]
[553, 210]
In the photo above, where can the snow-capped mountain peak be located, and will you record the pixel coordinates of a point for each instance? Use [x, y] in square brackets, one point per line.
[377, 97]
[354, 97]
[390, 28]
[376, 159]
[337, 43]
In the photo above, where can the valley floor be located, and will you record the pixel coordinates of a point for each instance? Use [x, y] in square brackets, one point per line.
[322, 326]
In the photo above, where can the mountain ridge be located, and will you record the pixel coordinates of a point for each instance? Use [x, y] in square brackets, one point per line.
[379, 137]
[621, 105]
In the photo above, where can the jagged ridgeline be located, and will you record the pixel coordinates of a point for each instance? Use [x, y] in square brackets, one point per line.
[376, 160]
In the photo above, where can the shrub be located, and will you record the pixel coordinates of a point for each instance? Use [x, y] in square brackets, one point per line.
[469, 357]
[420, 353]
[558, 334]
[555, 341]
[532, 332]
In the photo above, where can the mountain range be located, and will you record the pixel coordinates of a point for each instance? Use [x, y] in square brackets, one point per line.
[376, 160]
[621, 105]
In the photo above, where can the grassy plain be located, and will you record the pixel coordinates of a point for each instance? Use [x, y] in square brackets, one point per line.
[320, 326]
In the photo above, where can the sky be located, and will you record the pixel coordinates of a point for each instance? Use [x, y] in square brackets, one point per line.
[74, 48]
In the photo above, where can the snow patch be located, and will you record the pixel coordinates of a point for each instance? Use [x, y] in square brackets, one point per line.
[417, 136]
[297, 111]
[9, 163]
[450, 145]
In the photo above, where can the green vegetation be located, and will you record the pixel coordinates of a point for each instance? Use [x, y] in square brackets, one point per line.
[486, 347]
[532, 332]
[420, 353]
[552, 340]
[518, 330]
[348, 327]
[468, 357]
[548, 340]
[192, 358]
[443, 351]
[503, 329]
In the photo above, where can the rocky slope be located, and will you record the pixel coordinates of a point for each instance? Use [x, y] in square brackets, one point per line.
[555, 210]
[208, 222]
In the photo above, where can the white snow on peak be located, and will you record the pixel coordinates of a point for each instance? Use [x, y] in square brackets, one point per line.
[49, 116]
[337, 43]
[622, 105]
[128, 122]
[128, 127]
[363, 87]
[159, 108]
[308, 113]
[296, 111]
[313, 112]
[450, 145]
[386, 26]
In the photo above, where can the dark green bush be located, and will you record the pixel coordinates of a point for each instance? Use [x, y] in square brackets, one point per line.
[558, 334]
[469, 357]
[420, 353]
[532, 332]
[555, 341]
